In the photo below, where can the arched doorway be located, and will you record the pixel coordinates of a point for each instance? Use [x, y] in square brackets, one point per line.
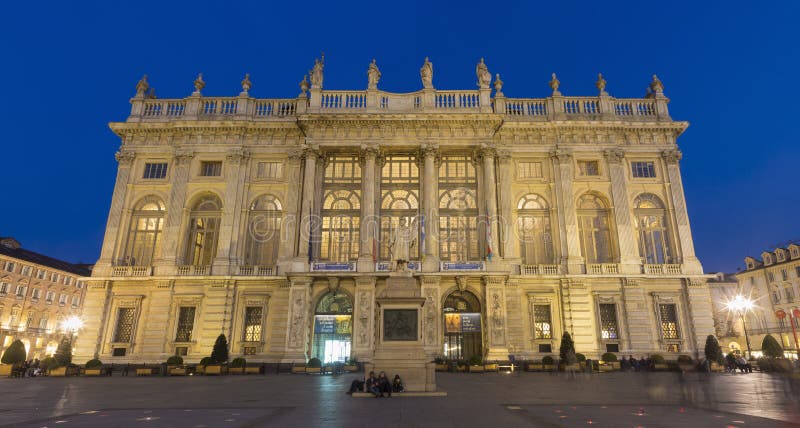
[462, 321]
[333, 328]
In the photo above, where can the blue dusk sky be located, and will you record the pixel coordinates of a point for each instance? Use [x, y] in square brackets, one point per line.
[69, 68]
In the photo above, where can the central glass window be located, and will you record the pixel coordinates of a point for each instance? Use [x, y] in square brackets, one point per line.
[204, 231]
[341, 209]
[458, 209]
[399, 198]
[669, 321]
[595, 229]
[651, 222]
[533, 228]
[608, 321]
[253, 316]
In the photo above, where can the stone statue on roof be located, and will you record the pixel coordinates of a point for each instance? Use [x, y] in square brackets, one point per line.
[484, 77]
[426, 74]
[373, 75]
[316, 72]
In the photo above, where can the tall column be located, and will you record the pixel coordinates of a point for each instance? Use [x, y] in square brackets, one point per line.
[496, 317]
[629, 259]
[700, 310]
[299, 316]
[226, 256]
[364, 326]
[125, 159]
[306, 209]
[366, 258]
[291, 217]
[691, 265]
[490, 200]
[430, 201]
[567, 216]
[508, 239]
[175, 209]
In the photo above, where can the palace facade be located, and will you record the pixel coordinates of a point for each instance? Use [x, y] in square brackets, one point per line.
[269, 220]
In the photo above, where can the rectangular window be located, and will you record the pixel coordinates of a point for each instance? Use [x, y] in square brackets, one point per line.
[3, 288]
[545, 347]
[529, 170]
[269, 170]
[54, 277]
[155, 171]
[185, 324]
[543, 328]
[643, 169]
[181, 351]
[75, 301]
[588, 168]
[50, 296]
[784, 274]
[10, 266]
[36, 293]
[771, 277]
[210, 168]
[608, 321]
[41, 273]
[43, 322]
[26, 270]
[67, 280]
[252, 324]
[124, 331]
[119, 352]
[29, 321]
[80, 284]
[669, 321]
[62, 299]
[612, 347]
[22, 291]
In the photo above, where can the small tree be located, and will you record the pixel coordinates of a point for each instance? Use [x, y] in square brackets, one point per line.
[15, 353]
[64, 352]
[220, 353]
[567, 345]
[713, 351]
[771, 348]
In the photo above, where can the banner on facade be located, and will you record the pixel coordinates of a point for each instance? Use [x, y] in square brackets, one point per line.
[462, 323]
[332, 324]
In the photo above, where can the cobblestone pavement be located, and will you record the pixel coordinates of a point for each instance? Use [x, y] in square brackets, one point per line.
[489, 399]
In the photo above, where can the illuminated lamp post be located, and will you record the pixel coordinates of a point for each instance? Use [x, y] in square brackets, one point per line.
[71, 325]
[741, 305]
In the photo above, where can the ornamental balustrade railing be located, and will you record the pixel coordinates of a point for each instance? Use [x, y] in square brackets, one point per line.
[661, 269]
[540, 269]
[257, 270]
[243, 107]
[131, 271]
[192, 270]
[602, 268]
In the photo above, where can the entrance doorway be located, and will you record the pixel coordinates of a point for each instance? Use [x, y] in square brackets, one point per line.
[333, 328]
[462, 321]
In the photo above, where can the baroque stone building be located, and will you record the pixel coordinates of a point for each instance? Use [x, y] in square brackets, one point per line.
[37, 294]
[270, 220]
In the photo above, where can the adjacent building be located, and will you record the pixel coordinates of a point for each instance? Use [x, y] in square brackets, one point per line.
[37, 293]
[270, 221]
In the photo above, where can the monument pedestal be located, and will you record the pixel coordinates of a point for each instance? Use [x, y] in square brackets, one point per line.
[400, 346]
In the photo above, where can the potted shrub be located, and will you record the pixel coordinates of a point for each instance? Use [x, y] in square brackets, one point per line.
[476, 364]
[548, 364]
[581, 360]
[175, 366]
[491, 367]
[610, 362]
[351, 365]
[566, 349]
[93, 367]
[773, 356]
[63, 356]
[13, 356]
[314, 366]
[237, 365]
[533, 366]
[48, 363]
[201, 366]
[713, 354]
[658, 362]
[298, 368]
[441, 364]
[219, 356]
[461, 365]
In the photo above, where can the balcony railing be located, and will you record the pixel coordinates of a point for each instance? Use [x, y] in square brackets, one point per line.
[191, 270]
[131, 271]
[540, 269]
[257, 270]
[602, 268]
[661, 269]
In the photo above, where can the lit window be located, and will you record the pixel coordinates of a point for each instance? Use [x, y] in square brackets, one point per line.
[185, 324]
[643, 169]
[651, 222]
[533, 228]
[458, 210]
[608, 321]
[542, 325]
[211, 168]
[252, 324]
[341, 209]
[144, 233]
[594, 225]
[669, 321]
[399, 199]
[588, 168]
[269, 170]
[155, 170]
[124, 331]
[529, 170]
[201, 247]
[263, 232]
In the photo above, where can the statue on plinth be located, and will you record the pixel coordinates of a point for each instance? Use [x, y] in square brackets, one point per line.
[426, 74]
[142, 86]
[554, 84]
[373, 75]
[601, 84]
[484, 77]
[402, 241]
[246, 84]
[655, 86]
[316, 72]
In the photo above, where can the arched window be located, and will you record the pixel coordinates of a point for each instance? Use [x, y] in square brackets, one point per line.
[204, 226]
[462, 326]
[341, 209]
[458, 209]
[594, 226]
[399, 198]
[263, 231]
[144, 233]
[533, 230]
[651, 223]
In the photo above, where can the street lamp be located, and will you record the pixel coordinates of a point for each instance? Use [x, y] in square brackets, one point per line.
[71, 325]
[742, 305]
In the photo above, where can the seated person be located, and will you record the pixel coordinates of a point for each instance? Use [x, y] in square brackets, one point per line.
[743, 365]
[372, 385]
[397, 384]
[383, 385]
[356, 386]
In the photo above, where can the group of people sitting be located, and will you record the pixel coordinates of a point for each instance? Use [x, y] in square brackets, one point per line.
[738, 362]
[640, 365]
[377, 385]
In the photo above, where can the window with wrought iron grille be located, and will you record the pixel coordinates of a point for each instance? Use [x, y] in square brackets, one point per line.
[273, 170]
[542, 324]
[155, 170]
[651, 223]
[211, 168]
[263, 231]
[643, 169]
[527, 170]
[669, 320]
[458, 210]
[608, 321]
[399, 199]
[123, 332]
[185, 324]
[253, 318]
[588, 168]
[533, 228]
[341, 209]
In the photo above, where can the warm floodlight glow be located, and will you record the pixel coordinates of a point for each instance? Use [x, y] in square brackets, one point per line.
[740, 303]
[72, 324]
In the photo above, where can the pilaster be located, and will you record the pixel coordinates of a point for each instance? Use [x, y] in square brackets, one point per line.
[508, 239]
[630, 262]
[700, 311]
[691, 265]
[496, 322]
[298, 327]
[364, 325]
[112, 238]
[306, 209]
[430, 199]
[567, 216]
[432, 338]
[490, 199]
[176, 206]
[290, 223]
[235, 171]
[366, 259]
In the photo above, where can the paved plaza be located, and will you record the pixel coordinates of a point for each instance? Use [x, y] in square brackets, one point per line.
[481, 400]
